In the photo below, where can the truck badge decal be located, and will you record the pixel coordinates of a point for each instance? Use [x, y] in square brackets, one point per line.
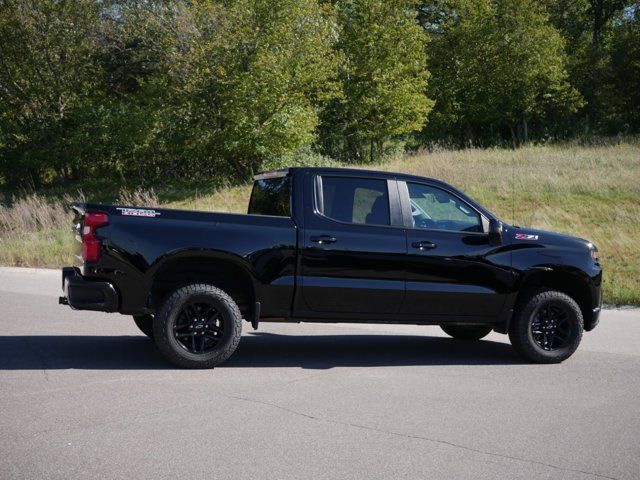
[138, 212]
[526, 236]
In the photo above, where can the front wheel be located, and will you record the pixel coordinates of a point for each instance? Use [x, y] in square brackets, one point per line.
[467, 332]
[546, 327]
[198, 326]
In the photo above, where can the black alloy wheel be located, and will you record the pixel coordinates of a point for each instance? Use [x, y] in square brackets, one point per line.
[199, 326]
[550, 327]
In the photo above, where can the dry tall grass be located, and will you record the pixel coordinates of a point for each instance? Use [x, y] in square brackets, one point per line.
[35, 231]
[31, 214]
[139, 197]
[591, 192]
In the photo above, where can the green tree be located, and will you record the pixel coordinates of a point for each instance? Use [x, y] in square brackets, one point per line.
[601, 13]
[589, 27]
[242, 82]
[624, 53]
[383, 78]
[498, 72]
[48, 76]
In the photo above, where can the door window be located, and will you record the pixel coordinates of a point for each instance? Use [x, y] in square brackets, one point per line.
[355, 200]
[436, 209]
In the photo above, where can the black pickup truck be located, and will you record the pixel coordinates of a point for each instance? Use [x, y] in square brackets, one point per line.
[334, 245]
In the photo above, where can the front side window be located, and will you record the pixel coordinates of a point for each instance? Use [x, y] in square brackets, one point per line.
[435, 209]
[355, 200]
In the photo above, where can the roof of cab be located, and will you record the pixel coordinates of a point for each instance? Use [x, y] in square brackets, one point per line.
[290, 170]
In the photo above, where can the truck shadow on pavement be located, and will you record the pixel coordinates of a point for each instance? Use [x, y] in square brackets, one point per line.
[51, 352]
[261, 349]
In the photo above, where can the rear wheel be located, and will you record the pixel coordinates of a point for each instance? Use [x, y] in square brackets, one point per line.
[467, 332]
[145, 324]
[198, 326]
[546, 327]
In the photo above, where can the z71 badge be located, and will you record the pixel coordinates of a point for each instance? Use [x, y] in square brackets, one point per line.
[526, 236]
[138, 212]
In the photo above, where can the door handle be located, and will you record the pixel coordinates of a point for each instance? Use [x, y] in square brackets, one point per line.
[424, 245]
[323, 239]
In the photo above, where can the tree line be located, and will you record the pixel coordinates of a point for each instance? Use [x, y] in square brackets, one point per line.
[224, 88]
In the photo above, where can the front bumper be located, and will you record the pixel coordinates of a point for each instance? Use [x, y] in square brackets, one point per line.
[83, 294]
[595, 319]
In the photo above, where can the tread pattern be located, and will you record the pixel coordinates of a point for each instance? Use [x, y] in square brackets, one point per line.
[170, 308]
[519, 330]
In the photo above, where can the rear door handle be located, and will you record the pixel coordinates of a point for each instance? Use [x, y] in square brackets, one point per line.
[424, 245]
[323, 239]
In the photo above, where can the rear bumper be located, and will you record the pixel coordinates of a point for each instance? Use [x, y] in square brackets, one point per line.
[83, 294]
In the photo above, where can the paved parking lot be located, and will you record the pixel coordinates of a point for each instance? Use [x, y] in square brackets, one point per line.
[84, 395]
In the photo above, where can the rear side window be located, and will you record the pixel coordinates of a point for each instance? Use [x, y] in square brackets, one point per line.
[271, 196]
[355, 200]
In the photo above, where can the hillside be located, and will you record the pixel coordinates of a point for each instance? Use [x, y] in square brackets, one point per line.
[591, 192]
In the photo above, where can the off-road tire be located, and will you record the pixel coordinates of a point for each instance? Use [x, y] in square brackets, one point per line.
[467, 332]
[520, 331]
[145, 324]
[166, 316]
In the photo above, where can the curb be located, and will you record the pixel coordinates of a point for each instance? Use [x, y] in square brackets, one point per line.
[30, 270]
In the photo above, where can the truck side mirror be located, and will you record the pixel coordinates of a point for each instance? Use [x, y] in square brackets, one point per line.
[495, 232]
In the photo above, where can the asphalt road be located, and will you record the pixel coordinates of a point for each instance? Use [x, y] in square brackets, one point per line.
[84, 395]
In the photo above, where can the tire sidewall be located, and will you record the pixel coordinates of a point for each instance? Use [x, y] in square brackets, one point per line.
[168, 315]
[520, 331]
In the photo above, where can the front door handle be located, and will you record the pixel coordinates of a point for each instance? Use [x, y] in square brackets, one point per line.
[424, 245]
[323, 239]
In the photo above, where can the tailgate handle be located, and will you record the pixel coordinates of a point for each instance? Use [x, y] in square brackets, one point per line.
[323, 239]
[424, 245]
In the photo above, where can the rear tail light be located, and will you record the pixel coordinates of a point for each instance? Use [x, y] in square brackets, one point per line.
[90, 243]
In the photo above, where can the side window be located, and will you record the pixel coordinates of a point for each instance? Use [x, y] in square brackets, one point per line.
[355, 200]
[271, 196]
[435, 209]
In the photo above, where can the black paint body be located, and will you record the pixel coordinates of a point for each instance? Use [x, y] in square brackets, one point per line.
[368, 274]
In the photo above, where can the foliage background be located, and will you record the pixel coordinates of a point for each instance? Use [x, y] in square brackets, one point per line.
[531, 106]
[149, 92]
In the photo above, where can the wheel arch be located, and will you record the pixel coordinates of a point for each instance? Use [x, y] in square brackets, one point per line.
[572, 282]
[219, 269]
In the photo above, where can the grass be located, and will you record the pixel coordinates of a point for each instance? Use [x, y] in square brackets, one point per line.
[588, 191]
